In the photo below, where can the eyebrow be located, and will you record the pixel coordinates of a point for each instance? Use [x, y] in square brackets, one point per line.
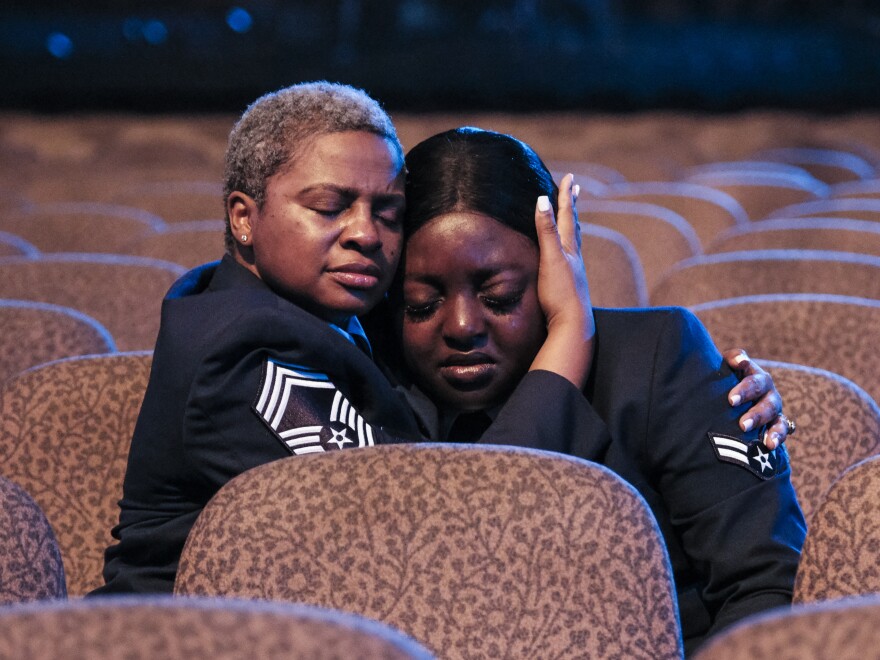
[482, 274]
[351, 193]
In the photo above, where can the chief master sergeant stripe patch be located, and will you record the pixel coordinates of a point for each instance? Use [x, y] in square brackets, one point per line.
[753, 456]
[306, 411]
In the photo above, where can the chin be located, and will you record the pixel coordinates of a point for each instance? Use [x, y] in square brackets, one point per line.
[472, 401]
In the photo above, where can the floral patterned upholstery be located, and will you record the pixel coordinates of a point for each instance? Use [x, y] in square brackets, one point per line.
[34, 333]
[838, 426]
[837, 333]
[65, 429]
[841, 555]
[122, 293]
[30, 562]
[730, 274]
[169, 628]
[475, 551]
[842, 630]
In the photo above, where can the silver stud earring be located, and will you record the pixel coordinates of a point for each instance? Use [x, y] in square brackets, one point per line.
[244, 238]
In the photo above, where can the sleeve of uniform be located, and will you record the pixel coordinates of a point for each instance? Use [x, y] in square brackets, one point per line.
[546, 411]
[260, 396]
[731, 504]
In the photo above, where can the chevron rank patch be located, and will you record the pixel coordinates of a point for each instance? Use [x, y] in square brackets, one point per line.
[306, 411]
[753, 456]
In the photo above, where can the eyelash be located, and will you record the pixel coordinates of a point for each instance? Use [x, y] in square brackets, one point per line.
[417, 313]
[498, 306]
[503, 305]
[393, 219]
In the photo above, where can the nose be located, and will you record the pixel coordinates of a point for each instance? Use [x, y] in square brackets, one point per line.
[360, 231]
[464, 325]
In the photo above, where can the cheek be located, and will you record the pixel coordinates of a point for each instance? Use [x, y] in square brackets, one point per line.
[416, 342]
[393, 247]
[524, 334]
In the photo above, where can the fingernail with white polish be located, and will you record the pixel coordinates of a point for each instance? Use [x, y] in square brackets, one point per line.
[735, 400]
[748, 424]
[544, 204]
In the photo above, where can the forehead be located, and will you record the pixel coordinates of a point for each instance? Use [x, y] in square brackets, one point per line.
[454, 243]
[347, 156]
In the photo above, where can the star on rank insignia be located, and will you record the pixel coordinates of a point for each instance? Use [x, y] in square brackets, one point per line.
[306, 411]
[753, 456]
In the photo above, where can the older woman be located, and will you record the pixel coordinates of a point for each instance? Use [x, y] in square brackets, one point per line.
[654, 407]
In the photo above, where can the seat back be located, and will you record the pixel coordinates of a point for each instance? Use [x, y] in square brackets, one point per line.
[836, 234]
[842, 630]
[762, 192]
[189, 244]
[837, 333]
[65, 430]
[661, 237]
[476, 551]
[841, 555]
[732, 274]
[176, 200]
[707, 210]
[122, 293]
[12, 245]
[34, 333]
[825, 445]
[148, 627]
[869, 188]
[80, 226]
[830, 166]
[614, 270]
[30, 561]
[853, 208]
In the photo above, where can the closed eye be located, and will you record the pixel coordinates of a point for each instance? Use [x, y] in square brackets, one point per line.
[421, 311]
[502, 304]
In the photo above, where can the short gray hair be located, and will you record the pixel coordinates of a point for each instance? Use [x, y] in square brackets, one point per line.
[275, 128]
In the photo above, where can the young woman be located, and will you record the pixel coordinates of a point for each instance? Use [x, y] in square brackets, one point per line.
[654, 406]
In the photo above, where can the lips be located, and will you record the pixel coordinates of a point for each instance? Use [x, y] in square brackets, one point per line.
[357, 275]
[468, 370]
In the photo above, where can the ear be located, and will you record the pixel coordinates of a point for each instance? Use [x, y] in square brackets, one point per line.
[243, 212]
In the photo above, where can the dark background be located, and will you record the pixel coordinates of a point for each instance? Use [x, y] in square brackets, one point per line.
[430, 55]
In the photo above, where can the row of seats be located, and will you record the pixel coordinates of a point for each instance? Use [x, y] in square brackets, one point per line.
[473, 551]
[714, 233]
[65, 429]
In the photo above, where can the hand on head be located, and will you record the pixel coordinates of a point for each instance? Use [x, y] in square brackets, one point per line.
[563, 290]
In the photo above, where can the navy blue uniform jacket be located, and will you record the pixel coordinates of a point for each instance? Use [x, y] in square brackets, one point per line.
[655, 398]
[197, 426]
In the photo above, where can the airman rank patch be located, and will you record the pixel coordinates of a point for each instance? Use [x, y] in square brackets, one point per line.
[753, 456]
[306, 411]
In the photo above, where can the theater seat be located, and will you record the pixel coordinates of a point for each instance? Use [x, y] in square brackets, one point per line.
[474, 551]
[153, 627]
[30, 561]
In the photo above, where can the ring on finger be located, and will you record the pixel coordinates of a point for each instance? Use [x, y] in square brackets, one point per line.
[792, 427]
